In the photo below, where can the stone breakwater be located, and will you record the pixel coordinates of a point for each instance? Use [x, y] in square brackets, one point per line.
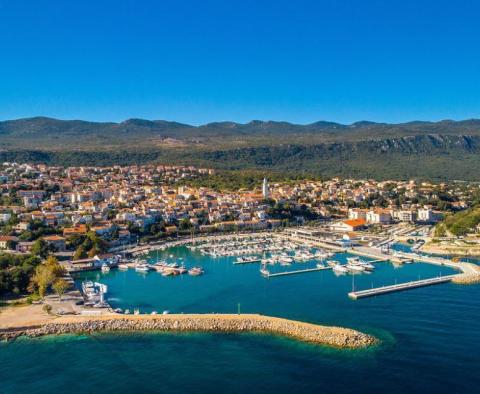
[470, 275]
[466, 279]
[325, 335]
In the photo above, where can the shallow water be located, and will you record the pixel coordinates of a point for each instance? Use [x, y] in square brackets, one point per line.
[430, 336]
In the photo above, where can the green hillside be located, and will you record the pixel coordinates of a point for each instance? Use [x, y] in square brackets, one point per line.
[441, 150]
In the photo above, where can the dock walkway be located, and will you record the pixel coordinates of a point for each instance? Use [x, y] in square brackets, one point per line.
[297, 272]
[399, 287]
[247, 262]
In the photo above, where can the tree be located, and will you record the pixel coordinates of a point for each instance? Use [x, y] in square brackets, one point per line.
[11, 244]
[93, 252]
[80, 253]
[60, 286]
[43, 278]
[40, 248]
[46, 274]
[54, 266]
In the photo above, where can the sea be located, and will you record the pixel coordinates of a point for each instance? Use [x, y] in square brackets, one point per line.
[429, 337]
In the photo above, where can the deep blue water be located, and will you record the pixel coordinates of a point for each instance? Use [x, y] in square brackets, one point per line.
[430, 337]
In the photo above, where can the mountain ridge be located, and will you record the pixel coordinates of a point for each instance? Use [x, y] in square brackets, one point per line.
[446, 149]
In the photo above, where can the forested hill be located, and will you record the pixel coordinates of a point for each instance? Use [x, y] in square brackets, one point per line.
[434, 150]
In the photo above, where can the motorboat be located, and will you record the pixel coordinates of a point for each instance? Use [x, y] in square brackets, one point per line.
[195, 271]
[143, 267]
[355, 267]
[105, 268]
[341, 269]
[368, 266]
[265, 272]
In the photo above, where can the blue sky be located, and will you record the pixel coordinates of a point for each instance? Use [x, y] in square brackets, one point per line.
[212, 60]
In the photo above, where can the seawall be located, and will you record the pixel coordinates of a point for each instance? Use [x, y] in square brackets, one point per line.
[312, 333]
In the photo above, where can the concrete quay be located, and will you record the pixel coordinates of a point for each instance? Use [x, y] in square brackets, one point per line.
[399, 287]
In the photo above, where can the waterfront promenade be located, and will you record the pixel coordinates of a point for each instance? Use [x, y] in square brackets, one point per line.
[226, 323]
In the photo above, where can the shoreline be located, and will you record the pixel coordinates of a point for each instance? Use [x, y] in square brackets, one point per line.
[339, 337]
[451, 250]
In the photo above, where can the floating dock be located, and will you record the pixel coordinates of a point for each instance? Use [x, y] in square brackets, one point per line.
[399, 287]
[247, 262]
[297, 272]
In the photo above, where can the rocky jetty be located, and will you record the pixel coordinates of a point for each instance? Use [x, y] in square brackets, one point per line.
[325, 335]
[466, 279]
[470, 275]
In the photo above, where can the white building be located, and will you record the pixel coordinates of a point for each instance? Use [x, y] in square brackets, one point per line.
[426, 215]
[265, 190]
[5, 217]
[356, 213]
[379, 216]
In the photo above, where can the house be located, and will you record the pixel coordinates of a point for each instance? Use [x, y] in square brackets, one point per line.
[24, 247]
[171, 229]
[6, 241]
[5, 217]
[23, 226]
[351, 225]
[56, 241]
[79, 229]
[426, 215]
[379, 216]
[405, 215]
[356, 213]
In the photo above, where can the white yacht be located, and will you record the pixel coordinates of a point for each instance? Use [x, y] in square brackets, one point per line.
[340, 268]
[142, 266]
[368, 266]
[355, 267]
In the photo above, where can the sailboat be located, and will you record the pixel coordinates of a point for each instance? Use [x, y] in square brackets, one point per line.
[264, 271]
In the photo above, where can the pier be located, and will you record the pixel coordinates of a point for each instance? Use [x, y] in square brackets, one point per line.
[247, 262]
[297, 272]
[399, 287]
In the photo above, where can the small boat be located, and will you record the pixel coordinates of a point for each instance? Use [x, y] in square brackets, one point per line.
[195, 271]
[355, 268]
[123, 267]
[265, 272]
[105, 268]
[320, 265]
[353, 260]
[368, 266]
[340, 269]
[285, 260]
[142, 267]
[182, 270]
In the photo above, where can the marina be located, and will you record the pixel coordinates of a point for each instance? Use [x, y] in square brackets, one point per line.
[150, 291]
[278, 256]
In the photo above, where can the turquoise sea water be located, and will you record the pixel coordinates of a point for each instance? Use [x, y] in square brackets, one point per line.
[430, 336]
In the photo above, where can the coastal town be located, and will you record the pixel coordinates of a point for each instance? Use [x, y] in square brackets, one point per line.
[57, 206]
[58, 223]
